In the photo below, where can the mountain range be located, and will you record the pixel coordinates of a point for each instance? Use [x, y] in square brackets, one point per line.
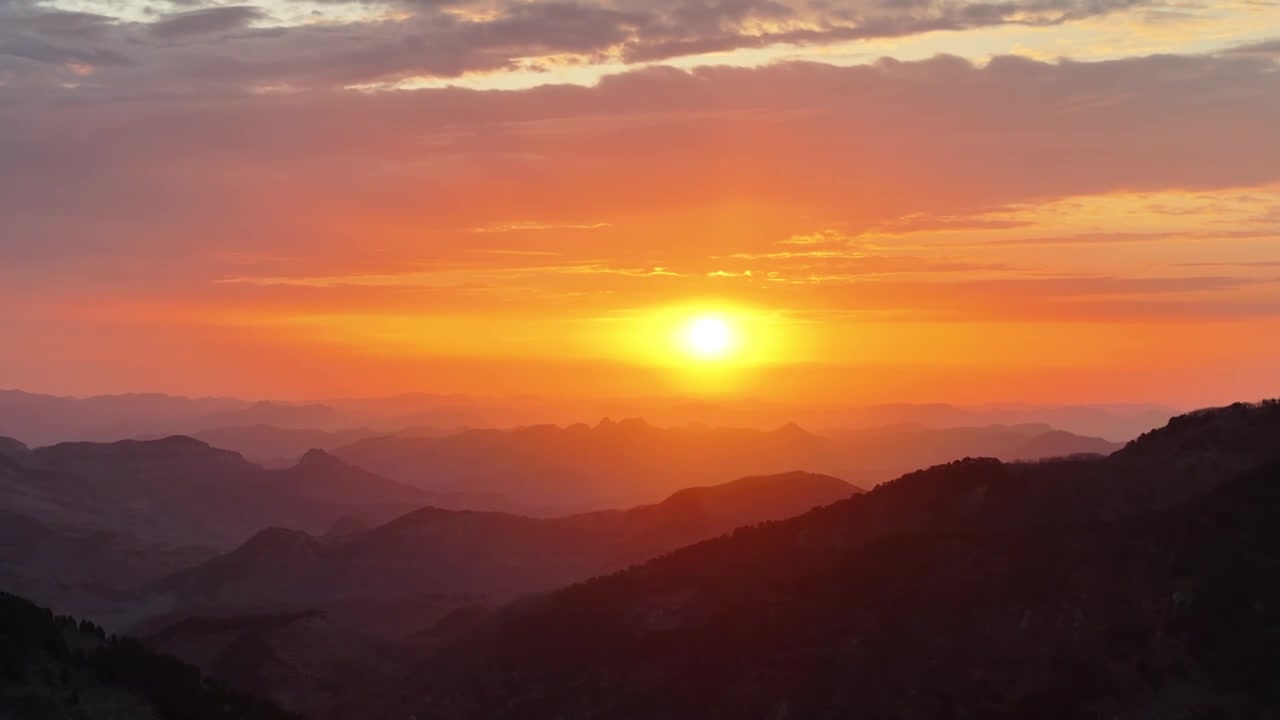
[45, 419]
[180, 491]
[1057, 577]
[1142, 585]
[631, 461]
[431, 560]
[297, 617]
[86, 523]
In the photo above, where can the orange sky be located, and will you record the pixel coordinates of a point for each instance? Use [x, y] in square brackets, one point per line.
[1083, 207]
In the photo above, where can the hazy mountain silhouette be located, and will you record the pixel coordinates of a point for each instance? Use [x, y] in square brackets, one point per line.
[346, 525]
[86, 524]
[280, 447]
[44, 419]
[89, 574]
[1116, 423]
[901, 448]
[1134, 586]
[311, 416]
[422, 564]
[15, 450]
[620, 463]
[181, 491]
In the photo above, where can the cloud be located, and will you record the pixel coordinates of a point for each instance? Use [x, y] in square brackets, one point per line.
[535, 226]
[730, 157]
[804, 170]
[332, 49]
[205, 21]
[1266, 47]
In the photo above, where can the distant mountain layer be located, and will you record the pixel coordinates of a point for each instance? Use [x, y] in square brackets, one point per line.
[53, 668]
[45, 419]
[276, 446]
[85, 524]
[182, 491]
[632, 461]
[432, 553]
[1143, 585]
[88, 574]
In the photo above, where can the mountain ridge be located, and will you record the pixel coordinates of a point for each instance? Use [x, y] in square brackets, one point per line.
[436, 552]
[976, 566]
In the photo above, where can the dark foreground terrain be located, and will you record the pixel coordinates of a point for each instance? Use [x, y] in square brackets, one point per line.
[54, 667]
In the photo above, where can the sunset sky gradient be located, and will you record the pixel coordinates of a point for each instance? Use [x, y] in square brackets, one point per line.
[915, 200]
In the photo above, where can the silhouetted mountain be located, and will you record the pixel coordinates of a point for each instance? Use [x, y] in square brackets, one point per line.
[1059, 443]
[15, 450]
[181, 491]
[1113, 423]
[267, 444]
[42, 419]
[86, 574]
[620, 463]
[311, 416]
[1137, 586]
[275, 447]
[346, 525]
[303, 661]
[53, 668]
[433, 559]
[902, 448]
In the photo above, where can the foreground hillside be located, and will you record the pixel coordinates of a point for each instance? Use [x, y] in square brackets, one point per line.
[1142, 586]
[303, 660]
[53, 668]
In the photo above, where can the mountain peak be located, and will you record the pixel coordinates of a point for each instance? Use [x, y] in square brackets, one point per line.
[316, 457]
[1244, 429]
[792, 429]
[15, 450]
[273, 541]
[174, 447]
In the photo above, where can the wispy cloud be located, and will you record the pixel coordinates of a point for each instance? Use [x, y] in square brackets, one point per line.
[534, 226]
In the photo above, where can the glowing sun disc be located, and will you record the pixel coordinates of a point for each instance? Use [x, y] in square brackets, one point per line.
[709, 337]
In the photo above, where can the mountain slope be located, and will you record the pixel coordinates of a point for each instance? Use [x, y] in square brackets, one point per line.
[54, 668]
[41, 419]
[84, 574]
[433, 555]
[181, 491]
[1140, 586]
[269, 444]
[302, 660]
[14, 450]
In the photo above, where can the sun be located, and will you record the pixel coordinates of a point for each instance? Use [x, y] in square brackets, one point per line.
[709, 338]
